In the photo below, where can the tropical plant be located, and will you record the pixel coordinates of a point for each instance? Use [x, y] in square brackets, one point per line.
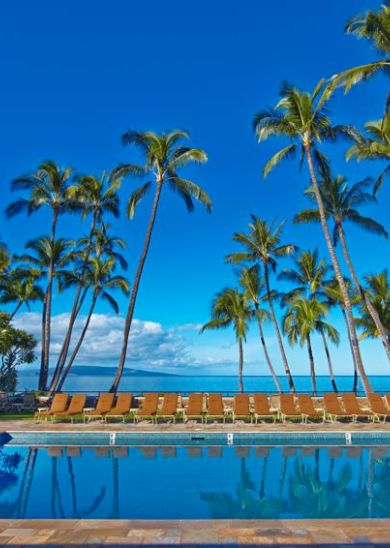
[164, 156]
[253, 286]
[310, 279]
[231, 308]
[48, 187]
[341, 202]
[378, 289]
[303, 318]
[101, 279]
[16, 348]
[263, 245]
[303, 119]
[20, 289]
[46, 255]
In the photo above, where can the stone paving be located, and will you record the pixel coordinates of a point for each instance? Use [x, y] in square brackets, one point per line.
[195, 532]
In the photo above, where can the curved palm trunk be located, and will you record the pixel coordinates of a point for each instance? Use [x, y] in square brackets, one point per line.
[338, 273]
[46, 327]
[265, 349]
[276, 326]
[16, 310]
[312, 366]
[240, 363]
[78, 344]
[371, 309]
[355, 372]
[329, 360]
[77, 303]
[134, 292]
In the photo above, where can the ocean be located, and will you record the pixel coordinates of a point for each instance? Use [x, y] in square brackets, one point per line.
[147, 382]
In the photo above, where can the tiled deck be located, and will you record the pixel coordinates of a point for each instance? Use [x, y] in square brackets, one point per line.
[210, 532]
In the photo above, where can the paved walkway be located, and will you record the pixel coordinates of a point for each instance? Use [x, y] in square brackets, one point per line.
[199, 532]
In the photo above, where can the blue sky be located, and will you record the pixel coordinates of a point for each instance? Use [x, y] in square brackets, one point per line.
[76, 75]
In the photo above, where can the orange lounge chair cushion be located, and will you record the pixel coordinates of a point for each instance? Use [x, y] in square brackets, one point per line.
[122, 406]
[241, 405]
[150, 404]
[262, 405]
[169, 406]
[104, 404]
[76, 407]
[215, 405]
[195, 405]
[287, 405]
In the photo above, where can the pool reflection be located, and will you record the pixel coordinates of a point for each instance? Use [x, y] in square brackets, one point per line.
[174, 482]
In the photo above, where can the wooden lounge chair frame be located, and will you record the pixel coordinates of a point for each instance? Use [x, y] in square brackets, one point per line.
[115, 412]
[103, 406]
[169, 399]
[149, 399]
[350, 400]
[307, 408]
[287, 400]
[241, 400]
[59, 403]
[194, 399]
[268, 413]
[376, 401]
[332, 415]
[77, 401]
[215, 416]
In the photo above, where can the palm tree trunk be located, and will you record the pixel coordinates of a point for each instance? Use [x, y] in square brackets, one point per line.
[134, 292]
[47, 309]
[265, 349]
[79, 342]
[312, 366]
[276, 326]
[329, 360]
[240, 363]
[337, 270]
[355, 372]
[371, 309]
[41, 381]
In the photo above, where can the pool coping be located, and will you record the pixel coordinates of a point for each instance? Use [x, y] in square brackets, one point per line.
[367, 532]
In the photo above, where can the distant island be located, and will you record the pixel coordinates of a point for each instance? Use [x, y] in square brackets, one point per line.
[104, 371]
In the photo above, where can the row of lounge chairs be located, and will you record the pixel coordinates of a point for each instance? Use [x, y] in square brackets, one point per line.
[212, 408]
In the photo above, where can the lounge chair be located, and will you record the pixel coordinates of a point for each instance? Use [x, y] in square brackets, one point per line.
[169, 408]
[241, 408]
[262, 407]
[378, 407]
[58, 405]
[103, 406]
[76, 408]
[307, 409]
[149, 407]
[333, 409]
[215, 408]
[352, 407]
[194, 410]
[287, 408]
[122, 407]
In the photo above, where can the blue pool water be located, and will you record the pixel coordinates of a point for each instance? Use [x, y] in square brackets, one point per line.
[200, 479]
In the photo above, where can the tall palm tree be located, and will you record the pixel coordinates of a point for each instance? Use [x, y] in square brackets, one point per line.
[253, 286]
[373, 26]
[378, 288]
[47, 187]
[303, 318]
[46, 255]
[341, 202]
[302, 118]
[310, 279]
[231, 308]
[96, 196]
[373, 146]
[101, 279]
[263, 245]
[21, 290]
[164, 156]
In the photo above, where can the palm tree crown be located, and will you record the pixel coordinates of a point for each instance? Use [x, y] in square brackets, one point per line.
[378, 288]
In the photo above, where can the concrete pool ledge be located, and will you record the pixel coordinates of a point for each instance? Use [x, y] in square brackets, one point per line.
[365, 532]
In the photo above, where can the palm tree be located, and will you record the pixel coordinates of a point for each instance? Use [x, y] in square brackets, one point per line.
[48, 187]
[231, 308]
[97, 197]
[47, 255]
[302, 118]
[263, 245]
[164, 156]
[341, 202]
[374, 146]
[101, 279]
[21, 290]
[253, 286]
[378, 289]
[373, 26]
[310, 279]
[303, 318]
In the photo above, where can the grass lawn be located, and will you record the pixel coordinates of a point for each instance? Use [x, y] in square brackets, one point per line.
[15, 416]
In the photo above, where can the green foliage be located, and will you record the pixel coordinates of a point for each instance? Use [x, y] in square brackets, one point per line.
[378, 289]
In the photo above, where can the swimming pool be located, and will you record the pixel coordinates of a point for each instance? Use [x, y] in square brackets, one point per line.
[195, 476]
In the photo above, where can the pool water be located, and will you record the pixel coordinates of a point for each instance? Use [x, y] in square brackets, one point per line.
[177, 482]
